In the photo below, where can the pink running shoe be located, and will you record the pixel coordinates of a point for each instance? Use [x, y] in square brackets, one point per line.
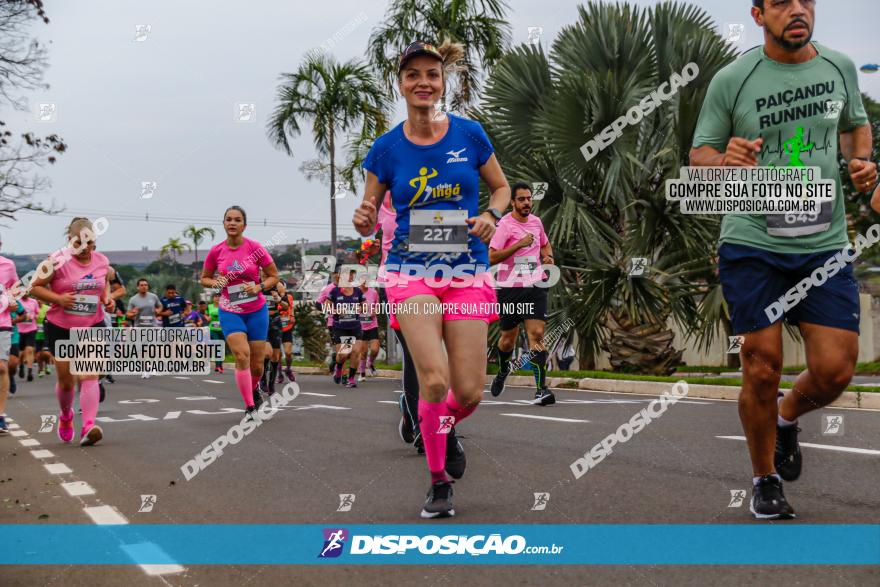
[91, 436]
[65, 427]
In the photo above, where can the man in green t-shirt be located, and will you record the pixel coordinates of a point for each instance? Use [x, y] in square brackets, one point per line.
[791, 102]
[216, 332]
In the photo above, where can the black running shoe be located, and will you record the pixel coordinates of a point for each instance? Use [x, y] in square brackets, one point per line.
[768, 502]
[544, 397]
[108, 379]
[405, 427]
[498, 384]
[439, 503]
[251, 412]
[456, 461]
[258, 399]
[419, 443]
[21, 370]
[788, 458]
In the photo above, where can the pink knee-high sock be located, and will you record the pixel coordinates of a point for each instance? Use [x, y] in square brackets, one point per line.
[433, 417]
[65, 399]
[89, 396]
[453, 408]
[245, 386]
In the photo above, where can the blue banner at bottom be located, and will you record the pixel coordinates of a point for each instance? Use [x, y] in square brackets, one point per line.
[607, 544]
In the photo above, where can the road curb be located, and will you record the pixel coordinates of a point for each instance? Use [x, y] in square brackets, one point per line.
[849, 399]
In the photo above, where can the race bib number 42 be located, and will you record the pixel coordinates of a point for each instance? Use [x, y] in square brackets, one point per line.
[83, 305]
[238, 295]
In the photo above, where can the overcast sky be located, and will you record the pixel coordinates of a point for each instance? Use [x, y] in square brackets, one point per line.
[162, 109]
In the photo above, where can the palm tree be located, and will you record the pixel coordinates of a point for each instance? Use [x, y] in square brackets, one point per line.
[197, 235]
[540, 109]
[172, 249]
[343, 103]
[479, 25]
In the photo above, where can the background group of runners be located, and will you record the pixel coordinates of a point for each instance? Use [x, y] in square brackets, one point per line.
[422, 191]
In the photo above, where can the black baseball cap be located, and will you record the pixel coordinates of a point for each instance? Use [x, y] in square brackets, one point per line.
[414, 50]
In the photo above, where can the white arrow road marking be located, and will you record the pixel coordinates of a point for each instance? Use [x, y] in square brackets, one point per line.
[131, 418]
[860, 451]
[571, 420]
[222, 411]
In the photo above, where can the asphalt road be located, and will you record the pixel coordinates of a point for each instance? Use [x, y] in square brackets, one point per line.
[333, 441]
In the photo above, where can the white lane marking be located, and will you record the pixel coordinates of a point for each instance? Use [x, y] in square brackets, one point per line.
[171, 416]
[149, 550]
[545, 418]
[385, 401]
[213, 381]
[178, 377]
[8, 419]
[316, 394]
[326, 407]
[75, 488]
[398, 391]
[13, 426]
[29, 442]
[138, 401]
[17, 433]
[495, 402]
[58, 468]
[42, 454]
[162, 569]
[104, 515]
[193, 398]
[861, 451]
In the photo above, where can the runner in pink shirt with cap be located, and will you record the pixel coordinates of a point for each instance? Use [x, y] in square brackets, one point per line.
[78, 289]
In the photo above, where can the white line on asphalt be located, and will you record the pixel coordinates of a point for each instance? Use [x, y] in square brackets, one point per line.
[318, 394]
[171, 416]
[495, 402]
[13, 426]
[545, 418]
[177, 377]
[75, 488]
[17, 433]
[193, 398]
[385, 401]
[58, 468]
[42, 454]
[29, 442]
[104, 515]
[861, 451]
[212, 381]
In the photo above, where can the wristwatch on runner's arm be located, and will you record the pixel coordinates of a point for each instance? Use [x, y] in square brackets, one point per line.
[495, 214]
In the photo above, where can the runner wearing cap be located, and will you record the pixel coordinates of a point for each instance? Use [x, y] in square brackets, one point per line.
[433, 166]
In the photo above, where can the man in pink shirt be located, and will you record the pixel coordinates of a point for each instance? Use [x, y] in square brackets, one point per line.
[520, 246]
[8, 277]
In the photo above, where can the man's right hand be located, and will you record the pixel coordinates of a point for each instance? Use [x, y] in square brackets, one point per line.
[742, 153]
[526, 241]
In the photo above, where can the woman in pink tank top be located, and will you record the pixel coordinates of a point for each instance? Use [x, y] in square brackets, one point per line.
[74, 280]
